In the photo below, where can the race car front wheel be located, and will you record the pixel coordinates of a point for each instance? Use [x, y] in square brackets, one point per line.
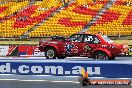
[99, 55]
[50, 53]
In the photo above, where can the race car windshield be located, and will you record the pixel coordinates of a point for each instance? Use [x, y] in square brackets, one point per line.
[107, 39]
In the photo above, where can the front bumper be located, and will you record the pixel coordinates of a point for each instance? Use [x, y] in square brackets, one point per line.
[123, 54]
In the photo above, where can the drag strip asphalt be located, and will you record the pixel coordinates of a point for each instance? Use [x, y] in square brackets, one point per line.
[20, 81]
[52, 84]
[68, 58]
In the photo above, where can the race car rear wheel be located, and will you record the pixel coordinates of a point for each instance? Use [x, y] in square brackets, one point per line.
[50, 53]
[100, 55]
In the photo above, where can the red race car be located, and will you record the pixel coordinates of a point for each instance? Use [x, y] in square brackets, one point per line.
[96, 46]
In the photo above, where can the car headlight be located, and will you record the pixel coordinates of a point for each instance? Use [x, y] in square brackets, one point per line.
[125, 46]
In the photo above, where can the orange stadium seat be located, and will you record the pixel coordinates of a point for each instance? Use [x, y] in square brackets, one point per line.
[2, 9]
[115, 21]
[128, 20]
[71, 19]
[27, 18]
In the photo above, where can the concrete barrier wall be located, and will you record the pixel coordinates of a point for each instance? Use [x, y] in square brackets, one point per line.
[26, 50]
[23, 50]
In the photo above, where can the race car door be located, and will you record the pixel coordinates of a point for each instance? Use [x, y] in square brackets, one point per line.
[89, 43]
[71, 47]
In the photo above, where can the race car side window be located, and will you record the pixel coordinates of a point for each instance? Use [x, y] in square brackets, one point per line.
[76, 38]
[91, 39]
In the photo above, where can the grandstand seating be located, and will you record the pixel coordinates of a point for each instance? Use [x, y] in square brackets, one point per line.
[21, 22]
[128, 20]
[2, 9]
[70, 20]
[117, 20]
[11, 7]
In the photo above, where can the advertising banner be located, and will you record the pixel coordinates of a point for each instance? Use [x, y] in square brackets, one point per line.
[22, 50]
[4, 50]
[72, 68]
[8, 50]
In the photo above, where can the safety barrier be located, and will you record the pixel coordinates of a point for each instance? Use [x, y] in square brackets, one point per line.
[112, 69]
[27, 50]
[22, 50]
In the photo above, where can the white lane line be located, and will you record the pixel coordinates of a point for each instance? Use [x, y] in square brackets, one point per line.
[50, 81]
[33, 80]
[5, 74]
[38, 81]
[64, 81]
[9, 80]
[56, 76]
